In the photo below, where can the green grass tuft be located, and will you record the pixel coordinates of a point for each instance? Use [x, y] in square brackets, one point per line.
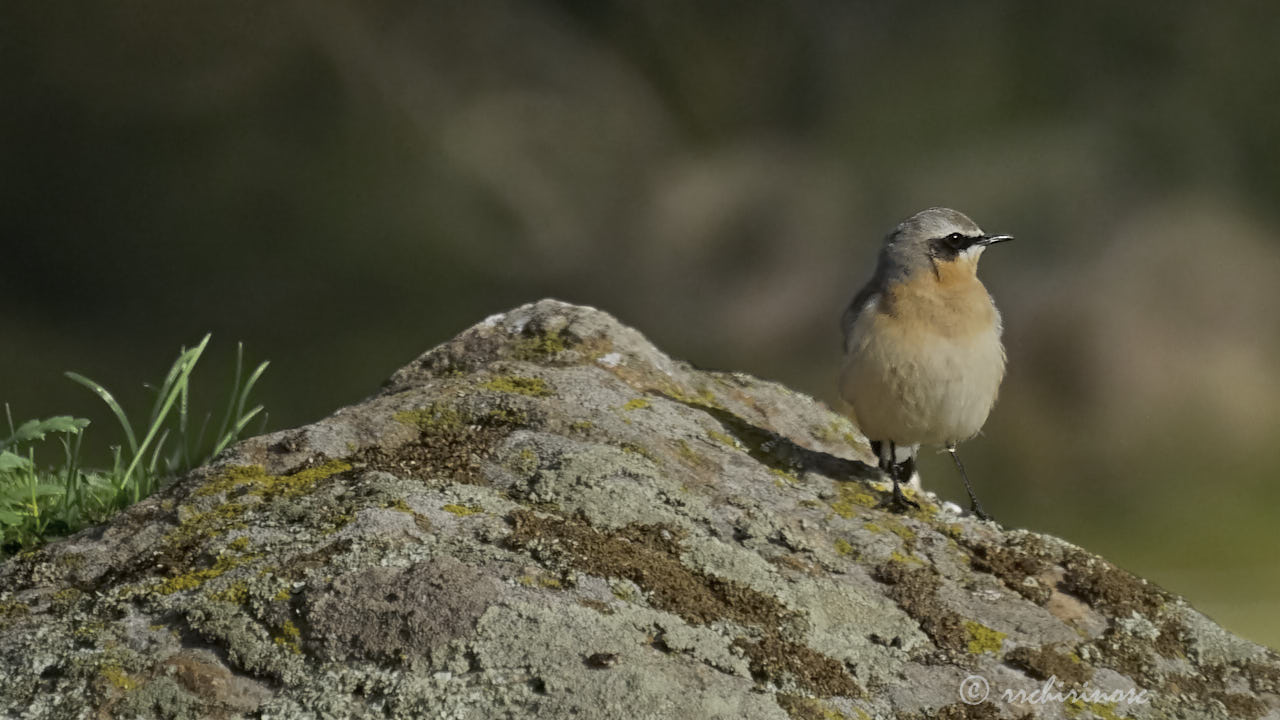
[38, 502]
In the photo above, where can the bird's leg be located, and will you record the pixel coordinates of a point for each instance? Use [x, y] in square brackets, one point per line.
[902, 474]
[899, 473]
[877, 447]
[974, 505]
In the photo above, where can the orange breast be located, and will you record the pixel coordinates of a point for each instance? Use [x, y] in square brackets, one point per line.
[953, 303]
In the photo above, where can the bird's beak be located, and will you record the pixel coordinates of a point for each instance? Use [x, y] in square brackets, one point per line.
[993, 239]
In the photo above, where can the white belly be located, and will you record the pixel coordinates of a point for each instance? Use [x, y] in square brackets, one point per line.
[912, 386]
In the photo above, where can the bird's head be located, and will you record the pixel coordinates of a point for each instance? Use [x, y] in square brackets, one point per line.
[938, 239]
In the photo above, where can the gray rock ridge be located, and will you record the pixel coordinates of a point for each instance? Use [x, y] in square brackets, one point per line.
[547, 517]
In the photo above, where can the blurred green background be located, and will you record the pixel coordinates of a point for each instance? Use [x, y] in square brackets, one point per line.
[343, 185]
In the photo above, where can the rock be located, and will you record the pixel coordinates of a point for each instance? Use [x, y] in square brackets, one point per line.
[547, 517]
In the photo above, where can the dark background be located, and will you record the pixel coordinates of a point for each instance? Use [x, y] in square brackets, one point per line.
[343, 185]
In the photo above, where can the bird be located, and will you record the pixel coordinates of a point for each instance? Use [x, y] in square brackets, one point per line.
[923, 358]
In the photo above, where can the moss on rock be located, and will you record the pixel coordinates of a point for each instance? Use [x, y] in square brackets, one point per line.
[518, 385]
[1046, 662]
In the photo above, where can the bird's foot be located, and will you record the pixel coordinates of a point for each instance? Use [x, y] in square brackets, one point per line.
[898, 502]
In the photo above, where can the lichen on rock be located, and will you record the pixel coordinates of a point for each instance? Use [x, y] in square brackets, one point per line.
[548, 517]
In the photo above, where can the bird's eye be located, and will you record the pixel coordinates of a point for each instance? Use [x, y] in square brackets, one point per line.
[957, 240]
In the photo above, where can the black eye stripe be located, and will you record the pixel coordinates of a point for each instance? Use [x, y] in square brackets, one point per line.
[948, 247]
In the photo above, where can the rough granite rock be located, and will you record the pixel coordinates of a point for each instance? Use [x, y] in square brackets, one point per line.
[547, 517]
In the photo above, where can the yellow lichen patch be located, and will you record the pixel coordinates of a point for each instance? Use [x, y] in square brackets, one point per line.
[545, 581]
[240, 544]
[231, 479]
[896, 527]
[1106, 711]
[687, 453]
[88, 631]
[785, 476]
[272, 486]
[704, 396]
[910, 559]
[117, 678]
[299, 482]
[518, 385]
[9, 610]
[581, 426]
[828, 433]
[700, 397]
[802, 708]
[983, 639]
[196, 528]
[843, 547]
[637, 404]
[462, 510]
[64, 599]
[850, 497]
[196, 578]
[837, 431]
[435, 417]
[288, 637]
[537, 346]
[399, 505]
[526, 462]
[236, 593]
[641, 451]
[907, 534]
[503, 416]
[727, 440]
[283, 595]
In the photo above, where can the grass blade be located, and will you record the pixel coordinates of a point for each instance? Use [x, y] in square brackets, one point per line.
[151, 474]
[172, 376]
[110, 400]
[234, 432]
[184, 365]
[235, 392]
[248, 386]
[184, 393]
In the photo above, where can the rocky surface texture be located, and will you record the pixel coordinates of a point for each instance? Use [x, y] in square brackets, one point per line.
[547, 517]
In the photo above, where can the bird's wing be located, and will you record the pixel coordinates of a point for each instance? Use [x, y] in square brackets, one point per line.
[864, 296]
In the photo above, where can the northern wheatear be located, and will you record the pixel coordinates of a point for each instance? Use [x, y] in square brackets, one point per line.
[923, 360]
